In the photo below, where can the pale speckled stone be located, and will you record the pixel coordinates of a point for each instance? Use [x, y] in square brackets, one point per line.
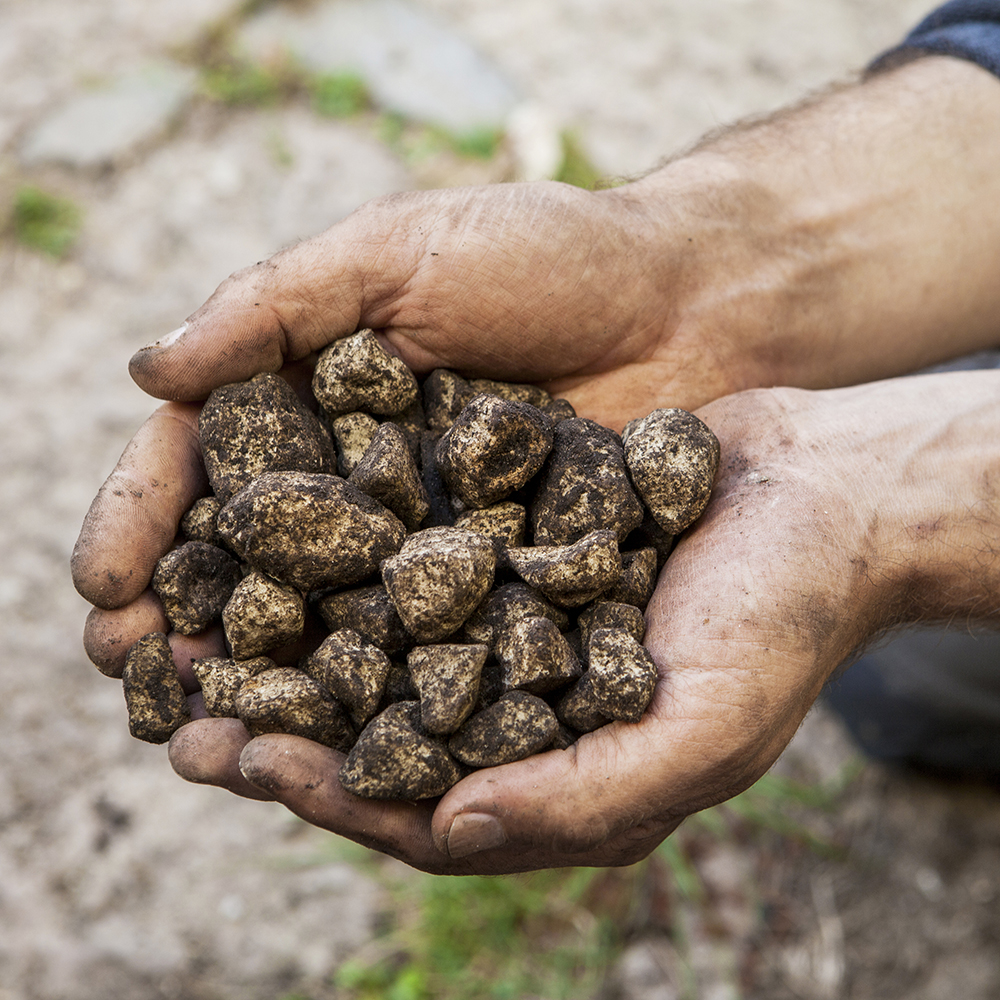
[262, 615]
[199, 524]
[352, 433]
[503, 524]
[638, 579]
[622, 674]
[221, 679]
[570, 575]
[611, 614]
[447, 678]
[536, 657]
[505, 606]
[352, 670]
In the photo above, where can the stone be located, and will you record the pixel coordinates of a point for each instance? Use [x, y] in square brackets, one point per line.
[536, 657]
[357, 373]
[286, 700]
[352, 433]
[492, 449]
[447, 679]
[388, 473]
[611, 614]
[649, 535]
[441, 514]
[157, 705]
[503, 524]
[99, 127]
[578, 708]
[194, 582]
[199, 524]
[369, 611]
[262, 615]
[584, 486]
[249, 428]
[445, 395]
[570, 575]
[515, 391]
[515, 727]
[638, 579]
[352, 670]
[412, 422]
[221, 679]
[621, 673]
[672, 457]
[394, 759]
[399, 686]
[310, 530]
[412, 63]
[507, 605]
[438, 579]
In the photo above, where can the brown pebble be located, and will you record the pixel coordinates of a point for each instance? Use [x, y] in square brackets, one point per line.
[584, 486]
[536, 657]
[352, 433]
[445, 395]
[437, 580]
[611, 614]
[369, 611]
[492, 449]
[221, 679]
[503, 524]
[199, 523]
[639, 567]
[352, 670]
[357, 373]
[194, 582]
[249, 428]
[388, 473]
[570, 575]
[515, 727]
[394, 759]
[286, 700]
[622, 674]
[157, 705]
[507, 605]
[312, 531]
[447, 679]
[262, 615]
[672, 457]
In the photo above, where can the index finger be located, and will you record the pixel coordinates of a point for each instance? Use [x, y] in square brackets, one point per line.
[134, 517]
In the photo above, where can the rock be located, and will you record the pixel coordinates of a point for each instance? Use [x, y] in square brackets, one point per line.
[221, 679]
[649, 535]
[639, 568]
[673, 458]
[515, 727]
[100, 127]
[611, 614]
[503, 524]
[261, 616]
[199, 524]
[514, 391]
[584, 486]
[157, 705]
[492, 449]
[536, 657]
[352, 433]
[394, 759]
[437, 580]
[194, 582]
[310, 530]
[570, 575]
[621, 673]
[578, 708]
[411, 62]
[249, 428]
[399, 686]
[285, 700]
[412, 423]
[447, 679]
[369, 611]
[441, 514]
[445, 395]
[352, 670]
[507, 605]
[388, 473]
[357, 373]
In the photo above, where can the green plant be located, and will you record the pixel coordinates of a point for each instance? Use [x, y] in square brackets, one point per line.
[576, 168]
[338, 95]
[45, 221]
[236, 82]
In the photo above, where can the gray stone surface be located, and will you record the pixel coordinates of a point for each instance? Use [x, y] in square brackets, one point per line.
[411, 61]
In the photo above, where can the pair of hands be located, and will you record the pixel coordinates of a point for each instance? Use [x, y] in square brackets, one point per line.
[664, 292]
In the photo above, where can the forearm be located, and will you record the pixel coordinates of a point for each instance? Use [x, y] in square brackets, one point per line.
[852, 238]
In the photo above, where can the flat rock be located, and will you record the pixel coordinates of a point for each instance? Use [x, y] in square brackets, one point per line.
[221, 679]
[262, 614]
[352, 670]
[157, 705]
[394, 759]
[570, 575]
[310, 530]
[673, 458]
[447, 679]
[194, 582]
[438, 579]
[515, 727]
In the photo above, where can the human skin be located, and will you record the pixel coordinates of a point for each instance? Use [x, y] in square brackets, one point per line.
[840, 242]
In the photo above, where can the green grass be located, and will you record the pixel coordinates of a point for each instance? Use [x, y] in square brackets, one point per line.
[239, 83]
[45, 222]
[338, 95]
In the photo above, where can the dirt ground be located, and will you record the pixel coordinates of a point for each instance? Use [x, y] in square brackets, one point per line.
[119, 880]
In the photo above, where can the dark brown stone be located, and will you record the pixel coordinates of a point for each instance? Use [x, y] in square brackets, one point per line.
[639, 568]
[515, 727]
[388, 473]
[578, 708]
[447, 678]
[445, 395]
[503, 524]
[199, 523]
[157, 705]
[369, 611]
[194, 582]
[611, 614]
[507, 605]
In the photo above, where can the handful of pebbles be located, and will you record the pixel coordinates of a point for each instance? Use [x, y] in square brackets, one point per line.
[477, 556]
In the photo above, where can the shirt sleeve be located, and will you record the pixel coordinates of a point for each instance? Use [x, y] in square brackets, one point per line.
[966, 29]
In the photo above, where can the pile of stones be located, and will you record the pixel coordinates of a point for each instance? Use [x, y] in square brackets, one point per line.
[478, 559]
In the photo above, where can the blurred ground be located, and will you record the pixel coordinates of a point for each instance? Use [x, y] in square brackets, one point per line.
[117, 879]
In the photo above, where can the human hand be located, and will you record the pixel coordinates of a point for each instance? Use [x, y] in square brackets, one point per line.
[836, 514]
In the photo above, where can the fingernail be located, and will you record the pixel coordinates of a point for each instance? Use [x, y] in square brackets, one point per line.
[168, 339]
[473, 832]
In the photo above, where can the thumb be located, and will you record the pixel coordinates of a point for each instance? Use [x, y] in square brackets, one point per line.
[282, 309]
